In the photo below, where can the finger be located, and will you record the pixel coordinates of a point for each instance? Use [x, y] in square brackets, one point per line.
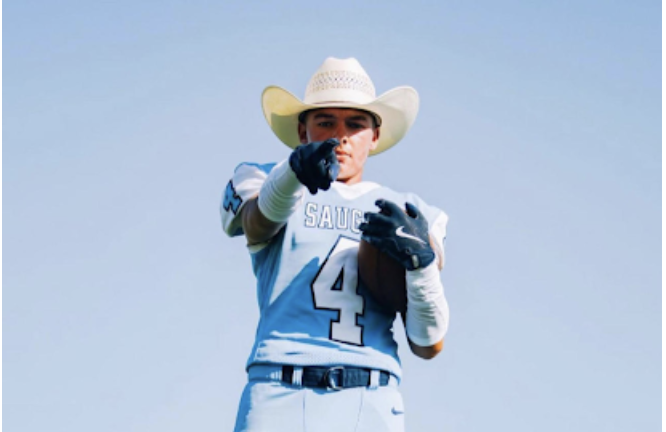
[413, 211]
[320, 171]
[332, 143]
[388, 207]
[374, 230]
[333, 170]
[326, 148]
[378, 219]
[323, 178]
[295, 161]
[374, 227]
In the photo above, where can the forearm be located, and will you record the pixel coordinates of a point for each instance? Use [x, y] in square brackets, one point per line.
[427, 317]
[257, 228]
[279, 197]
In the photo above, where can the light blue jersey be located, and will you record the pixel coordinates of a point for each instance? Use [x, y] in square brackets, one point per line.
[314, 311]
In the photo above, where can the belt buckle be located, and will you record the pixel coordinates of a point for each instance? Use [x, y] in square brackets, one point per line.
[330, 382]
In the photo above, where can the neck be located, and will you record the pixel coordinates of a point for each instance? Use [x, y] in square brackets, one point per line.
[352, 180]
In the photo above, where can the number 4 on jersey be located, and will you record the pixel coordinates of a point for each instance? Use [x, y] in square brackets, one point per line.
[334, 288]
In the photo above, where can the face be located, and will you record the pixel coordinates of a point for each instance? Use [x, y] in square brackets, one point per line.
[353, 128]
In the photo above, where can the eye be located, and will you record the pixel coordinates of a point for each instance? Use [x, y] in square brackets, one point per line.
[325, 124]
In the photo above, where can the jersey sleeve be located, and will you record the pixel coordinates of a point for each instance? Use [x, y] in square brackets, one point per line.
[243, 186]
[438, 232]
[437, 221]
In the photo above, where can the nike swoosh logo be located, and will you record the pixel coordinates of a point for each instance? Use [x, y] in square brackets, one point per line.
[397, 411]
[400, 232]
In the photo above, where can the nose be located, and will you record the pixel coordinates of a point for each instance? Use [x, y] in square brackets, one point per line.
[342, 135]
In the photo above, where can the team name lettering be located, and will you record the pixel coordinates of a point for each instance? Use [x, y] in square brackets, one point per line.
[324, 216]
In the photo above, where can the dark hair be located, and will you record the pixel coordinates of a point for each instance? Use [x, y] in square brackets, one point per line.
[376, 120]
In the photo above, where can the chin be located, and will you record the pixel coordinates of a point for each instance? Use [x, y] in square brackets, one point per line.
[344, 177]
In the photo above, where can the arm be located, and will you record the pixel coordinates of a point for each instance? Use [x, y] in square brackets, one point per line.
[257, 227]
[427, 352]
[430, 351]
[404, 236]
[264, 215]
[311, 165]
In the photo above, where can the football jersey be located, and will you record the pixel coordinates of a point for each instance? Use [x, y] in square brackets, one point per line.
[314, 310]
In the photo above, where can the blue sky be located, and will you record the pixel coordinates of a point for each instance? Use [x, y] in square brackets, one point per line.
[125, 306]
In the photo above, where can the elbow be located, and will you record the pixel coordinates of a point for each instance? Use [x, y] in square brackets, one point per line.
[427, 352]
[431, 354]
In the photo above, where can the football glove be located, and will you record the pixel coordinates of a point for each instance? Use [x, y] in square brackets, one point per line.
[399, 234]
[315, 164]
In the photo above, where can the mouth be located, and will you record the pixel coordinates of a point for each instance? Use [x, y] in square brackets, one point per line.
[341, 156]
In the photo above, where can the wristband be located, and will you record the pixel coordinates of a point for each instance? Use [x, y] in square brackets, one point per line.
[427, 310]
[281, 193]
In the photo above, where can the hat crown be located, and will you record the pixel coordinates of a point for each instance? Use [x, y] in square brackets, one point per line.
[340, 80]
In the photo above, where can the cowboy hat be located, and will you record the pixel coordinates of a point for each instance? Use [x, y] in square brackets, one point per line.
[341, 83]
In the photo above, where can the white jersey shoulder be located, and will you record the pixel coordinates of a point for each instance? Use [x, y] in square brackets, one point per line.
[243, 186]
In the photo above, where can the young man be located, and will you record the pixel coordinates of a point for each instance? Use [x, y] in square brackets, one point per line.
[324, 358]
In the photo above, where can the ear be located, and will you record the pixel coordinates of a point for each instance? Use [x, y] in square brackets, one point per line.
[375, 139]
[302, 133]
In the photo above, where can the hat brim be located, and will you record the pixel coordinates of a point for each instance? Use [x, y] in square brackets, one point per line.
[397, 109]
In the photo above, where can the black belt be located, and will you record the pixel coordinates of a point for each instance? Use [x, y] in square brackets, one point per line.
[334, 378]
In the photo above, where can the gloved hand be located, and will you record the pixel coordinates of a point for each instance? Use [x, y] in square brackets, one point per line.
[402, 236]
[315, 164]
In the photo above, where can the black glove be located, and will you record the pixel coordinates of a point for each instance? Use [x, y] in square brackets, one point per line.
[402, 236]
[315, 164]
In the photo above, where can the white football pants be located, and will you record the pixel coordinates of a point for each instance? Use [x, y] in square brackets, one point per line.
[270, 406]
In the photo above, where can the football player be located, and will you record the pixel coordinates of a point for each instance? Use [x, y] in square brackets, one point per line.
[324, 358]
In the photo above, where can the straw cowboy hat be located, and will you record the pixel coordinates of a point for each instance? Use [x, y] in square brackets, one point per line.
[342, 84]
